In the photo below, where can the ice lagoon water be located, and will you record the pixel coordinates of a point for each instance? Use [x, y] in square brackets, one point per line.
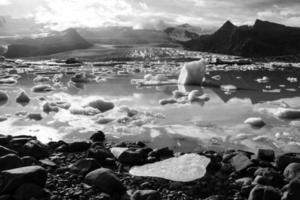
[217, 123]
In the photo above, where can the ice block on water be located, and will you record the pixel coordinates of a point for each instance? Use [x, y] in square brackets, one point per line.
[192, 73]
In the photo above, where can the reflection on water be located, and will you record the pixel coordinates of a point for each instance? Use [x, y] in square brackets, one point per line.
[217, 123]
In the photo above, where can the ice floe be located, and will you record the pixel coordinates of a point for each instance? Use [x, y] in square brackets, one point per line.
[184, 168]
[42, 88]
[192, 73]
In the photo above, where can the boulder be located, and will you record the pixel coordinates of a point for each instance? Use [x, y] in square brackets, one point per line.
[288, 113]
[285, 159]
[28, 160]
[22, 98]
[146, 195]
[292, 171]
[269, 175]
[101, 105]
[4, 139]
[266, 155]
[30, 191]
[129, 156]
[84, 166]
[100, 154]
[161, 153]
[99, 136]
[35, 149]
[79, 146]
[293, 191]
[14, 178]
[240, 162]
[10, 161]
[4, 151]
[260, 192]
[255, 122]
[105, 180]
[192, 73]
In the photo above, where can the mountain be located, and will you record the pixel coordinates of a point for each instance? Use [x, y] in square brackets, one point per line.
[262, 39]
[124, 35]
[53, 43]
[182, 33]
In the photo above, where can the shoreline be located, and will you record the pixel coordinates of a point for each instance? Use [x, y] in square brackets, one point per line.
[232, 174]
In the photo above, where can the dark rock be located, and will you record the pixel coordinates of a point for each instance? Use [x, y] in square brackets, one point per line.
[10, 161]
[73, 61]
[285, 159]
[131, 157]
[244, 181]
[240, 162]
[100, 154]
[30, 191]
[105, 180]
[79, 146]
[260, 192]
[266, 155]
[99, 136]
[146, 195]
[35, 149]
[270, 176]
[28, 161]
[161, 153]
[261, 180]
[4, 151]
[293, 190]
[292, 171]
[63, 148]
[47, 163]
[14, 178]
[4, 139]
[84, 166]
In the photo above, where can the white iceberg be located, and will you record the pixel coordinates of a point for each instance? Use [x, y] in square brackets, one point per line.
[184, 168]
[192, 73]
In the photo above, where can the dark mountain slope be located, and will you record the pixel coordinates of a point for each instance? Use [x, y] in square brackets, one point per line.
[262, 39]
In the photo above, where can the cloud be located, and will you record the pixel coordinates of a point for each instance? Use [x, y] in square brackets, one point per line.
[61, 14]
[4, 2]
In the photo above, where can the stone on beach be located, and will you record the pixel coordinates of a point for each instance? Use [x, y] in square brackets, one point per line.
[105, 180]
[185, 168]
[13, 178]
[89, 111]
[41, 79]
[35, 116]
[192, 73]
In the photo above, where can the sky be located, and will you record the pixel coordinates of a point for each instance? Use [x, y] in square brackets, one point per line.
[62, 14]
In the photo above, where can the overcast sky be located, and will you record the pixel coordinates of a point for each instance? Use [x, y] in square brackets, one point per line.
[61, 14]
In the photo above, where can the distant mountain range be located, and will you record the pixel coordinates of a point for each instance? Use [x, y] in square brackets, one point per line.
[260, 40]
[50, 44]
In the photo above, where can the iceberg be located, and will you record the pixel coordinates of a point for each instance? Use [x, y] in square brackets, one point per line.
[192, 73]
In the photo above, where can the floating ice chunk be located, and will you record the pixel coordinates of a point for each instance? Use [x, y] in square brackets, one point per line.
[160, 77]
[287, 113]
[193, 95]
[185, 168]
[148, 77]
[263, 80]
[167, 101]
[255, 121]
[84, 111]
[101, 105]
[177, 94]
[192, 73]
[22, 98]
[216, 77]
[42, 88]
[10, 81]
[228, 88]
[41, 79]
[3, 96]
[104, 120]
[292, 79]
[80, 78]
[35, 116]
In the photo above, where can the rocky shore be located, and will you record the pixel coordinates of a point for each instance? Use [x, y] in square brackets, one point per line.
[92, 170]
